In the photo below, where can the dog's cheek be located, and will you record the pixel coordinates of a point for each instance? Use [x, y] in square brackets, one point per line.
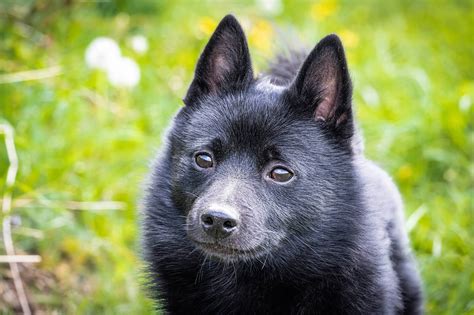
[187, 187]
[268, 215]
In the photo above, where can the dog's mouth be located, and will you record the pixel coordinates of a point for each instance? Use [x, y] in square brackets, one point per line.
[229, 252]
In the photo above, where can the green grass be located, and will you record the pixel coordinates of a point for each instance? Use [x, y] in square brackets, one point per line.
[80, 139]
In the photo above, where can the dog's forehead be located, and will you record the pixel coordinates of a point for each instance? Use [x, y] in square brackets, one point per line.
[265, 85]
[255, 117]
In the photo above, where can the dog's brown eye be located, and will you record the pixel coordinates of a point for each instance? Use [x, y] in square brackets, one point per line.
[204, 160]
[281, 174]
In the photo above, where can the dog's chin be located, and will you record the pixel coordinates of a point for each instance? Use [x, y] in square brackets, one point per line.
[229, 253]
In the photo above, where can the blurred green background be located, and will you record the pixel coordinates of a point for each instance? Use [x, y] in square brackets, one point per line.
[83, 142]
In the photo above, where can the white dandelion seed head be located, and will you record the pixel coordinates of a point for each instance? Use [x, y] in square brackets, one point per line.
[273, 7]
[101, 52]
[465, 103]
[139, 44]
[123, 72]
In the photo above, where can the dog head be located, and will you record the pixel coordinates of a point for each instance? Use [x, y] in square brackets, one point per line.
[255, 164]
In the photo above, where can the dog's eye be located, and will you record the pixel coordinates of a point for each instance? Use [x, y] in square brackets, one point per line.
[281, 174]
[204, 160]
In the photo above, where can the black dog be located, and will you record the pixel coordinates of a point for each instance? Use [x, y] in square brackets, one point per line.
[261, 200]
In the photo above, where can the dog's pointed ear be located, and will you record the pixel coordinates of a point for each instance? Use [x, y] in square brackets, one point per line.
[224, 65]
[323, 86]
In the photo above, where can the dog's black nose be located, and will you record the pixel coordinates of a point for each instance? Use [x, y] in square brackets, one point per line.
[219, 224]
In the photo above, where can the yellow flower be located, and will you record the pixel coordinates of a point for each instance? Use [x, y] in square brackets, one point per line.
[349, 38]
[261, 36]
[207, 25]
[323, 9]
[405, 172]
[466, 87]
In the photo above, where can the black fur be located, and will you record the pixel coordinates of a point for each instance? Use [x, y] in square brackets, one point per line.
[329, 241]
